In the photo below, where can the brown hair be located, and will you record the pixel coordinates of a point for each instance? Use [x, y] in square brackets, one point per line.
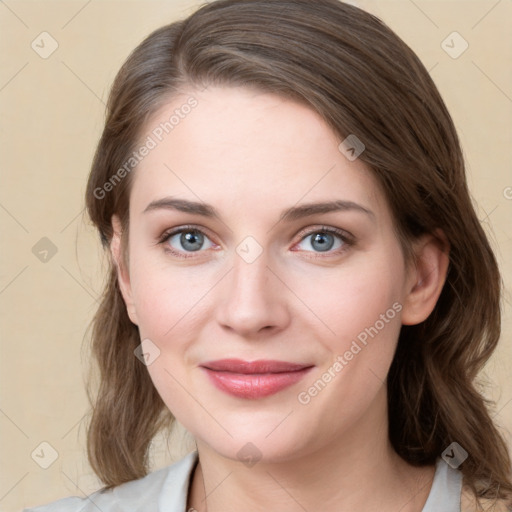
[362, 79]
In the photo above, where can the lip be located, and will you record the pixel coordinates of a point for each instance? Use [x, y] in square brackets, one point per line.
[253, 379]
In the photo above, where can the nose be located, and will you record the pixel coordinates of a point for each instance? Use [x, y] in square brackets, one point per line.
[252, 300]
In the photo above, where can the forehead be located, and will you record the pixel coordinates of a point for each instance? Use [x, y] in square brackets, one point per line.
[245, 148]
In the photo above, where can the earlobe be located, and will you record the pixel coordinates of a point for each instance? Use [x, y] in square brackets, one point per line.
[427, 278]
[123, 275]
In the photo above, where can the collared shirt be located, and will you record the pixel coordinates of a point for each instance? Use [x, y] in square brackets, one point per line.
[166, 490]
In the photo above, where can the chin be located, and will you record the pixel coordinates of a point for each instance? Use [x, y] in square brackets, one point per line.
[254, 440]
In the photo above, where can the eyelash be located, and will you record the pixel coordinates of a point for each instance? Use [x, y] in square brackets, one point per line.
[345, 237]
[183, 229]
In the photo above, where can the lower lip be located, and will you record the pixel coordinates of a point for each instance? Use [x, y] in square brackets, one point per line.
[253, 386]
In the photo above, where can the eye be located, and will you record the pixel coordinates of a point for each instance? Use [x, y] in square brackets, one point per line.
[186, 240]
[324, 240]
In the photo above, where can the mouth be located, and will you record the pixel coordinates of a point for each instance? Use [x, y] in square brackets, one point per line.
[253, 379]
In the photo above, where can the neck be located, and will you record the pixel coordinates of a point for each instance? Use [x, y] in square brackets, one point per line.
[359, 471]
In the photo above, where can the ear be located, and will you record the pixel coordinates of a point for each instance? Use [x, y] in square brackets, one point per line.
[427, 275]
[123, 275]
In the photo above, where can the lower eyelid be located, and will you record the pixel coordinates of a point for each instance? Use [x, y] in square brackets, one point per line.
[324, 254]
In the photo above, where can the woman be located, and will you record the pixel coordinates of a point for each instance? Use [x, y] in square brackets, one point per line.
[297, 274]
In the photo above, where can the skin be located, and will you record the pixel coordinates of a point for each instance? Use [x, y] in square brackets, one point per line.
[251, 156]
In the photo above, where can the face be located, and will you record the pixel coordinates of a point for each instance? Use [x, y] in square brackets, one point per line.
[264, 275]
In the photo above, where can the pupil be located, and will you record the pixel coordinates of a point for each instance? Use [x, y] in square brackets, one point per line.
[192, 241]
[323, 241]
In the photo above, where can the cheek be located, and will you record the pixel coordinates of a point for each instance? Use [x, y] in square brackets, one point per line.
[362, 305]
[166, 297]
[356, 298]
[169, 308]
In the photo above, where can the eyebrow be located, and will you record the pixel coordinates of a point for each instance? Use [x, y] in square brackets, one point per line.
[308, 209]
[182, 205]
[290, 214]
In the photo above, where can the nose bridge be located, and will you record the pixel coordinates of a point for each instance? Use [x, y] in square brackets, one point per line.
[250, 280]
[252, 299]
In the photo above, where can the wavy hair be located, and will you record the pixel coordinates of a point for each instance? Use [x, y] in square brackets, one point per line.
[350, 68]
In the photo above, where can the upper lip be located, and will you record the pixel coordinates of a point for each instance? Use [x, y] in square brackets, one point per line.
[252, 367]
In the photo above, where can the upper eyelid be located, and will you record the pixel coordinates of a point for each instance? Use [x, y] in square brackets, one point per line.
[325, 229]
[180, 229]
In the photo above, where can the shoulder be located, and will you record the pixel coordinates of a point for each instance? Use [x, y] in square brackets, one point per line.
[135, 496]
[470, 503]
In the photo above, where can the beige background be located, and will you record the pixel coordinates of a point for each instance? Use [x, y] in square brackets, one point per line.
[51, 117]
